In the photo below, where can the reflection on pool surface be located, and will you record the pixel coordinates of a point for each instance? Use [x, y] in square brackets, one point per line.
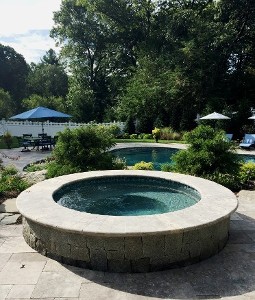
[157, 155]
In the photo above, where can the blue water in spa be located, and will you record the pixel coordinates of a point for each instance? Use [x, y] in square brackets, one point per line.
[126, 196]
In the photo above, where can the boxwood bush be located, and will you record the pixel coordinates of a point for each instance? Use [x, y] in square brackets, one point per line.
[210, 156]
[82, 149]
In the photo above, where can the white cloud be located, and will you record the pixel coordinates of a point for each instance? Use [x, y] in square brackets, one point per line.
[31, 45]
[20, 16]
[25, 25]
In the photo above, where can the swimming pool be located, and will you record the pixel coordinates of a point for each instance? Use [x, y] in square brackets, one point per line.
[157, 155]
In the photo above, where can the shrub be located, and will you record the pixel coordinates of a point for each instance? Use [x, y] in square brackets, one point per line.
[82, 149]
[133, 136]
[119, 163]
[114, 130]
[11, 183]
[147, 136]
[247, 172]
[142, 165]
[7, 141]
[7, 138]
[55, 169]
[125, 135]
[177, 136]
[156, 134]
[210, 156]
[167, 133]
[230, 181]
[167, 167]
[37, 166]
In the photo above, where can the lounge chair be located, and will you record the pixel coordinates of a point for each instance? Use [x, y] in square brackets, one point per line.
[248, 141]
[229, 136]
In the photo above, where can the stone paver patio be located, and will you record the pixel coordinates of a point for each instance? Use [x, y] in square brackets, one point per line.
[25, 274]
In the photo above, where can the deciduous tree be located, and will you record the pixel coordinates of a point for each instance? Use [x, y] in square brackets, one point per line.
[13, 75]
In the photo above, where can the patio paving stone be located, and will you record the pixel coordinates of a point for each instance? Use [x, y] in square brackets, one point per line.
[21, 291]
[240, 237]
[97, 291]
[52, 284]
[15, 245]
[4, 215]
[9, 206]
[4, 257]
[18, 273]
[10, 231]
[25, 257]
[2, 240]
[9, 220]
[4, 290]
[82, 275]
[65, 298]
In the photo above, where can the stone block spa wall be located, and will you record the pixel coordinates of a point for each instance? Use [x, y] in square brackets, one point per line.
[131, 253]
[127, 243]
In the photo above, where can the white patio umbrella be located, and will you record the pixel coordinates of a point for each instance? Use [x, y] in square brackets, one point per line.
[215, 116]
[252, 118]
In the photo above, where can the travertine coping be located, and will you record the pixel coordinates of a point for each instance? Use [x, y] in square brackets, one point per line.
[36, 204]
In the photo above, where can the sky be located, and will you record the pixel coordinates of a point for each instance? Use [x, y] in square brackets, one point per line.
[25, 26]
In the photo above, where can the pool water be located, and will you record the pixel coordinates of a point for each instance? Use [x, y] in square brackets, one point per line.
[248, 158]
[156, 155]
[126, 196]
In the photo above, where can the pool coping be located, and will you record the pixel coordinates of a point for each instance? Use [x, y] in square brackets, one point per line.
[37, 204]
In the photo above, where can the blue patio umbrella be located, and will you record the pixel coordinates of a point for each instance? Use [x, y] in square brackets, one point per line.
[40, 113]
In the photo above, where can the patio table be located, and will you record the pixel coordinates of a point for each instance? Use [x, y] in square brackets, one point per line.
[45, 143]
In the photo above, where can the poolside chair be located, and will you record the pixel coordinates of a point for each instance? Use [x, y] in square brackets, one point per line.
[26, 142]
[229, 136]
[248, 141]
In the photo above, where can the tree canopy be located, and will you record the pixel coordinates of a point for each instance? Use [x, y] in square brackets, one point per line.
[13, 75]
[159, 63]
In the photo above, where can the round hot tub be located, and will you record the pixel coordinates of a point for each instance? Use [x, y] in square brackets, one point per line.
[126, 195]
[127, 221]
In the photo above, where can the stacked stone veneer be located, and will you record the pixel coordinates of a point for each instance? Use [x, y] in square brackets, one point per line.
[128, 253]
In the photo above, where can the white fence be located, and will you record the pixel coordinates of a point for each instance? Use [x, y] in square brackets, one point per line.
[18, 128]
